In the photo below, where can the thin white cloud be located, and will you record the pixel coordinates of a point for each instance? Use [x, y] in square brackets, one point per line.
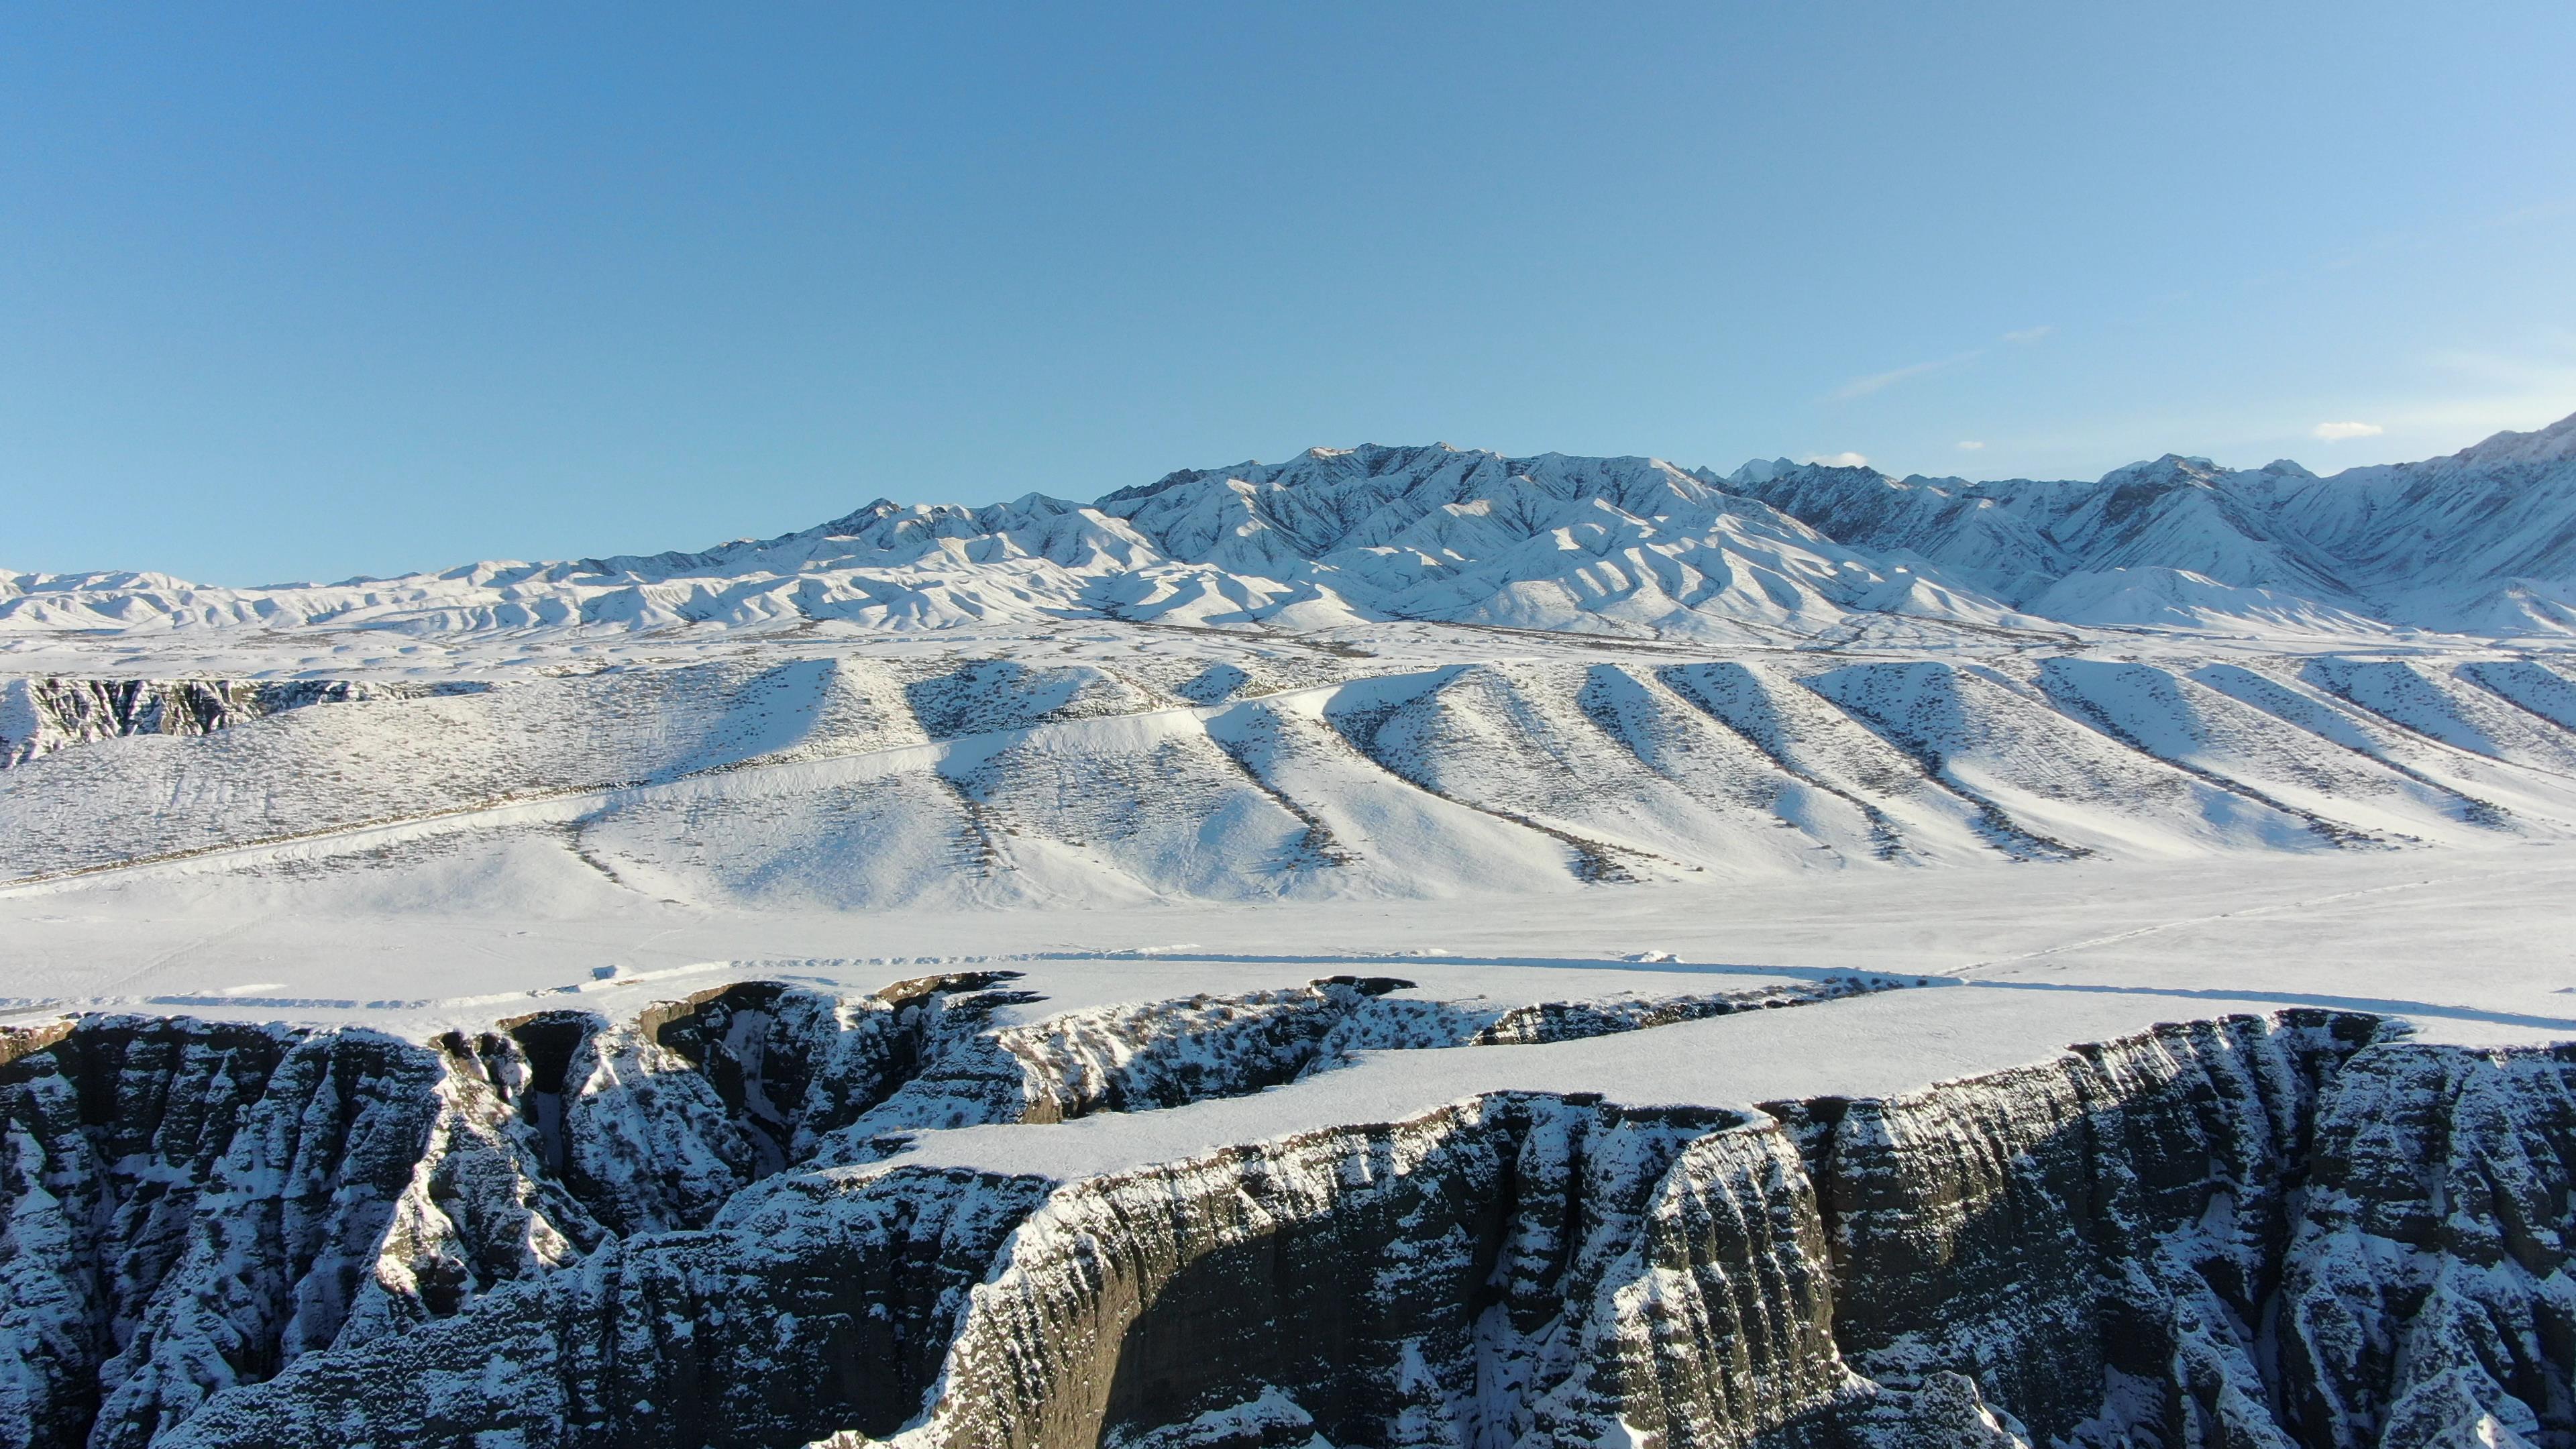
[2523, 370]
[2029, 334]
[2481, 393]
[2337, 432]
[1840, 460]
[1969, 445]
[1864, 386]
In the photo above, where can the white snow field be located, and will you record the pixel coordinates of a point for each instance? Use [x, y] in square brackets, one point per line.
[1201, 819]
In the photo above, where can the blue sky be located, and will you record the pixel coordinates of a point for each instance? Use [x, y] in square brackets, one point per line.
[294, 292]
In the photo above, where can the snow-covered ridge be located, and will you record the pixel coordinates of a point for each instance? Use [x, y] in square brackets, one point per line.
[854, 784]
[2482, 542]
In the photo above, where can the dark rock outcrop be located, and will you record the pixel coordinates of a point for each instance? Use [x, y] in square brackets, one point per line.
[49, 714]
[2303, 1230]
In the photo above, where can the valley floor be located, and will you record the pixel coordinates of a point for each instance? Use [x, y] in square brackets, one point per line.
[2471, 945]
[2085, 1154]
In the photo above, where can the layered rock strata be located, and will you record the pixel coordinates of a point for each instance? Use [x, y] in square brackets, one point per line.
[2301, 1230]
[187, 1206]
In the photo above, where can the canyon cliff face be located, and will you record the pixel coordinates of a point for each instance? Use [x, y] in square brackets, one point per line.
[698, 1228]
[2117, 1247]
[41, 715]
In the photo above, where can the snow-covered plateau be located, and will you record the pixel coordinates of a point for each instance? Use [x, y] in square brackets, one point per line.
[1402, 947]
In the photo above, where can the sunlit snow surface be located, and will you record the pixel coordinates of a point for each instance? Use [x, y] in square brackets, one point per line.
[2482, 542]
[2183, 830]
[2179, 730]
[1313, 809]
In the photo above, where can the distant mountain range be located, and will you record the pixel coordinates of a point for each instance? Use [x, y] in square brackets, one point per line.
[2481, 543]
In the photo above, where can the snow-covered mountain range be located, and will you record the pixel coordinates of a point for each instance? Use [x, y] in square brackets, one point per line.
[2482, 543]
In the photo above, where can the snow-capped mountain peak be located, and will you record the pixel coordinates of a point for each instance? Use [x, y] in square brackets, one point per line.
[2482, 541]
